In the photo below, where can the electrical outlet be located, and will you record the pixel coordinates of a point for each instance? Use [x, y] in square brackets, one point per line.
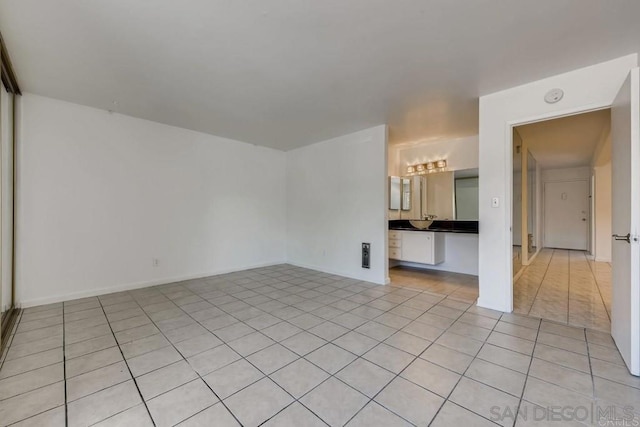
[155, 262]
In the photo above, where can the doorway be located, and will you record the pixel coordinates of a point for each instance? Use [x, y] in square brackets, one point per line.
[555, 162]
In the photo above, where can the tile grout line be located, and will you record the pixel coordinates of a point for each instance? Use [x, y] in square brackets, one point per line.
[187, 361]
[127, 364]
[64, 369]
[599, 291]
[462, 375]
[546, 271]
[526, 376]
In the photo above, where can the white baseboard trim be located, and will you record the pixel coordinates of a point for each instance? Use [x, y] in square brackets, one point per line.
[597, 259]
[337, 273]
[131, 286]
[484, 304]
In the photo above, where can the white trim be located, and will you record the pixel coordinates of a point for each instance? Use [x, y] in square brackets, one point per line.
[131, 286]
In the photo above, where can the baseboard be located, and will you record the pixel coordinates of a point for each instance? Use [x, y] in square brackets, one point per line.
[337, 273]
[484, 304]
[131, 286]
[602, 259]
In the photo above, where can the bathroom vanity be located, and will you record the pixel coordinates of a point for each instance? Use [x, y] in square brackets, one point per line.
[433, 221]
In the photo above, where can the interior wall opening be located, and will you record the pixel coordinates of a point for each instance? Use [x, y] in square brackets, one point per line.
[561, 219]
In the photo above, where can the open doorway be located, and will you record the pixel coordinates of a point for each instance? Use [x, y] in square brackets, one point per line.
[562, 219]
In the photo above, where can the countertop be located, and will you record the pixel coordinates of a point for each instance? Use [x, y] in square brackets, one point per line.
[459, 227]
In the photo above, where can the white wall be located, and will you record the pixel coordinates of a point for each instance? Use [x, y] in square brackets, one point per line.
[566, 174]
[460, 153]
[102, 194]
[336, 201]
[585, 89]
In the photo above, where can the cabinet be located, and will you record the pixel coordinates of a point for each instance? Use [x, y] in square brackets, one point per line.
[424, 247]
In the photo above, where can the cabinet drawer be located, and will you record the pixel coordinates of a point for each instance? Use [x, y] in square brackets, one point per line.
[394, 234]
[395, 243]
[394, 253]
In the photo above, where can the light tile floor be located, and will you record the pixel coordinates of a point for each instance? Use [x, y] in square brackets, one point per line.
[459, 286]
[286, 346]
[566, 287]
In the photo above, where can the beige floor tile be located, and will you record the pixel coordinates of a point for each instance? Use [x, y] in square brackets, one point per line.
[331, 358]
[258, 402]
[562, 376]
[137, 416]
[453, 415]
[31, 380]
[28, 363]
[482, 399]
[103, 404]
[175, 406]
[211, 360]
[374, 414]
[164, 379]
[496, 376]
[26, 405]
[299, 377]
[99, 379]
[51, 418]
[409, 401]
[232, 378]
[448, 358]
[334, 401]
[216, 415]
[365, 377]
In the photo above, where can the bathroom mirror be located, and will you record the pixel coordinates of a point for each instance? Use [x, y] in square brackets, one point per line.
[400, 193]
[466, 194]
[438, 197]
[394, 193]
[450, 195]
[406, 194]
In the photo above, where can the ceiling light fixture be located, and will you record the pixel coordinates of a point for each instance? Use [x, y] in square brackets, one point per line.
[553, 96]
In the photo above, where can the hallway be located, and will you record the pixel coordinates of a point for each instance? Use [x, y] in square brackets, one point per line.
[564, 286]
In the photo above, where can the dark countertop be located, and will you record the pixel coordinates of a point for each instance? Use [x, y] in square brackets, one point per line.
[463, 227]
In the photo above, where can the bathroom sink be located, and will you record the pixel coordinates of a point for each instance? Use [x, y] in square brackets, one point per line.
[421, 224]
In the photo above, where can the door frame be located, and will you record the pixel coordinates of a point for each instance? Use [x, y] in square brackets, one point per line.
[544, 206]
[508, 175]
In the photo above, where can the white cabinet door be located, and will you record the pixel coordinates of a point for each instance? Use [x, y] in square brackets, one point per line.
[417, 246]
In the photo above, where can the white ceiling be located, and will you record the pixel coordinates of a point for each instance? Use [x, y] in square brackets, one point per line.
[566, 142]
[286, 73]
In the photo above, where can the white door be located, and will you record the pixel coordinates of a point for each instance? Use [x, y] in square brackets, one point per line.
[625, 162]
[566, 214]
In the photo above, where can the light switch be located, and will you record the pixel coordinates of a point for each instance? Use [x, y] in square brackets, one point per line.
[495, 202]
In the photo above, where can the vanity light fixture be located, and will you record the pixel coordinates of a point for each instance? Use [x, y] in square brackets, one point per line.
[422, 168]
